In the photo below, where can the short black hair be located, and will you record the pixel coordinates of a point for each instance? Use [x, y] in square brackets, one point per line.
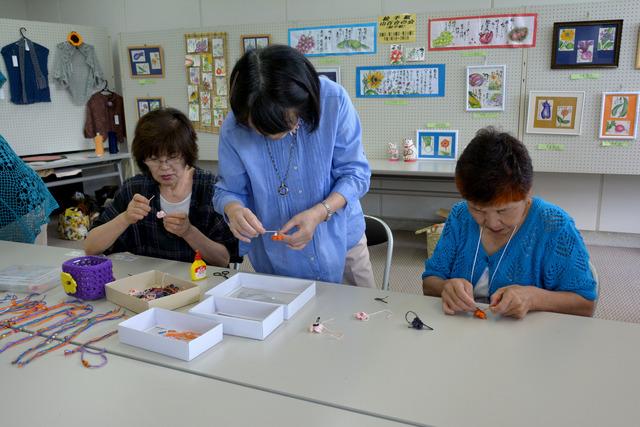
[268, 84]
[495, 168]
[164, 132]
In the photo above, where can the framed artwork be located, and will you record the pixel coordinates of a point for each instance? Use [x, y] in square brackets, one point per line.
[486, 87]
[437, 144]
[254, 41]
[557, 113]
[619, 116]
[400, 81]
[586, 44]
[351, 39]
[207, 82]
[144, 105]
[638, 51]
[332, 73]
[146, 61]
[483, 32]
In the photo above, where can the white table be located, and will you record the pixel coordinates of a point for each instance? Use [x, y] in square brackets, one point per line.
[547, 369]
[86, 160]
[56, 391]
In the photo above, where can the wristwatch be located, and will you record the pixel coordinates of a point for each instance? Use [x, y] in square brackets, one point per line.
[329, 210]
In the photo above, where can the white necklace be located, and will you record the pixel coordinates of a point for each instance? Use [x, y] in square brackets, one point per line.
[475, 258]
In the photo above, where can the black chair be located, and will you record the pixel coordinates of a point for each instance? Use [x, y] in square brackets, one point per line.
[378, 232]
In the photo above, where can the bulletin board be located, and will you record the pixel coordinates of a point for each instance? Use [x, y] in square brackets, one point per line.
[387, 120]
[56, 126]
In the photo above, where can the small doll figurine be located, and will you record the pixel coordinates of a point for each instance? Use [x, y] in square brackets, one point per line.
[394, 156]
[409, 150]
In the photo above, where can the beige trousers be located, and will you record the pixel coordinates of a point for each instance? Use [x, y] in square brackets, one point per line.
[357, 268]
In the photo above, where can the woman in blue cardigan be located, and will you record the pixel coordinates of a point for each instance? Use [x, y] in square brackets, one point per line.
[503, 246]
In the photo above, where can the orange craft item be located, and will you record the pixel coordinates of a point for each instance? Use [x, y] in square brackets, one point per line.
[479, 314]
[277, 237]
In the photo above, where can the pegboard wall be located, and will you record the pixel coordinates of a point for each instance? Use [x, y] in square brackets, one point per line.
[393, 119]
[56, 126]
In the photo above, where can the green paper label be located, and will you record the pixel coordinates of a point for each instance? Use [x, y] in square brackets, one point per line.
[474, 53]
[332, 61]
[395, 102]
[143, 82]
[438, 125]
[616, 143]
[585, 76]
[551, 147]
[485, 115]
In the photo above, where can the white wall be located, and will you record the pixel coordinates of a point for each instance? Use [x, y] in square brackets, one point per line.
[13, 9]
[597, 202]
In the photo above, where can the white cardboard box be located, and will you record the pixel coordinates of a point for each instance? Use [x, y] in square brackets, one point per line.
[294, 293]
[250, 319]
[135, 331]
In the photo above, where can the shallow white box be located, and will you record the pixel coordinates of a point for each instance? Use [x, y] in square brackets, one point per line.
[250, 319]
[291, 293]
[134, 331]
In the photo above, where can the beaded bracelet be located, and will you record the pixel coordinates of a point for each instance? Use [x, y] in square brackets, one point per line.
[83, 349]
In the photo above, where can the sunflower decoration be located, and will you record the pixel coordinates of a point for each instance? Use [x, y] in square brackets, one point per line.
[74, 39]
[372, 81]
[68, 283]
[567, 35]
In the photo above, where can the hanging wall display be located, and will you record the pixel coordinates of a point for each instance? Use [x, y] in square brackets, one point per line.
[586, 44]
[619, 115]
[254, 41]
[437, 144]
[558, 113]
[145, 105]
[638, 51]
[207, 84]
[486, 87]
[146, 61]
[483, 32]
[397, 28]
[400, 81]
[334, 39]
[332, 73]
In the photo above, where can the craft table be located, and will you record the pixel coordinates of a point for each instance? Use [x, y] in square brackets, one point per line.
[57, 391]
[548, 369]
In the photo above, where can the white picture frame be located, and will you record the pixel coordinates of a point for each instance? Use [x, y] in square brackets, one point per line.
[541, 121]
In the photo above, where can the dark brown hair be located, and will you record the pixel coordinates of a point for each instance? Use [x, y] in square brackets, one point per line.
[268, 84]
[494, 169]
[164, 132]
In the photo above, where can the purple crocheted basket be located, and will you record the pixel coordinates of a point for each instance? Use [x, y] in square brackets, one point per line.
[91, 273]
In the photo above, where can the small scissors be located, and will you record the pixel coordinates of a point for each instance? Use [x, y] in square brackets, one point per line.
[382, 299]
[223, 273]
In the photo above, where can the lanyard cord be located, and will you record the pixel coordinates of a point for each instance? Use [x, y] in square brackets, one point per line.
[475, 258]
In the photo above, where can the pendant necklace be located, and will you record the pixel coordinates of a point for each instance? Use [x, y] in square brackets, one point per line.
[283, 189]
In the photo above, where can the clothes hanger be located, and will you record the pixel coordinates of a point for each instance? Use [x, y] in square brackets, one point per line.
[22, 29]
[105, 90]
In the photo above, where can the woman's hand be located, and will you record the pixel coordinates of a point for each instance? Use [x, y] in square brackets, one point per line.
[242, 222]
[306, 221]
[184, 185]
[457, 296]
[137, 209]
[513, 301]
[177, 223]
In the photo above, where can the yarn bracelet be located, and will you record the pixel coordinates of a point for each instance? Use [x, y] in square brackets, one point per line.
[83, 349]
[416, 323]
[361, 315]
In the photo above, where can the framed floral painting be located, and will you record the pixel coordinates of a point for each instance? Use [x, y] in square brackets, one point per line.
[557, 113]
[619, 115]
[586, 44]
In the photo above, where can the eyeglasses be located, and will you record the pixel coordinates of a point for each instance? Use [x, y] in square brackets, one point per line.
[170, 161]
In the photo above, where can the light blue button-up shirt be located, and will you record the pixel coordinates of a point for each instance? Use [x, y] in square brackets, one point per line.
[331, 159]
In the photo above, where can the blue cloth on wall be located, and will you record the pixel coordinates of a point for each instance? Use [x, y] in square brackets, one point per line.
[25, 201]
[28, 81]
[547, 252]
[2, 79]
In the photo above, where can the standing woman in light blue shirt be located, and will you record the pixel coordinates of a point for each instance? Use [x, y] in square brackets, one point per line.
[291, 160]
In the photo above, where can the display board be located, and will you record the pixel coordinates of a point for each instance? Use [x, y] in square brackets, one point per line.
[56, 126]
[392, 119]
